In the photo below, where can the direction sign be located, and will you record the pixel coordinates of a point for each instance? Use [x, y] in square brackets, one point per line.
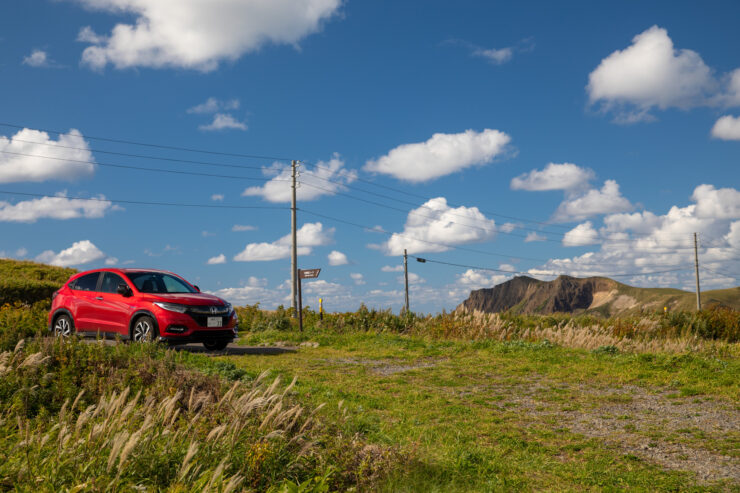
[308, 273]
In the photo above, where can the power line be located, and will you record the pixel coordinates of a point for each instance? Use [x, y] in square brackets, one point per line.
[140, 202]
[425, 259]
[142, 168]
[728, 274]
[155, 146]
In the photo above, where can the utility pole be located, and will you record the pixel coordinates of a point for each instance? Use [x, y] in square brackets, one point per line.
[406, 277]
[696, 265]
[294, 253]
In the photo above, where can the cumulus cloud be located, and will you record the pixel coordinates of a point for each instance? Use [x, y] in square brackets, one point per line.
[59, 207]
[583, 234]
[337, 258]
[326, 178]
[218, 259]
[566, 176]
[644, 242]
[217, 197]
[196, 34]
[727, 128]
[310, 235]
[651, 73]
[81, 252]
[223, 121]
[256, 290]
[473, 279]
[67, 158]
[111, 261]
[441, 155]
[435, 224]
[495, 56]
[608, 200]
[357, 278]
[395, 268]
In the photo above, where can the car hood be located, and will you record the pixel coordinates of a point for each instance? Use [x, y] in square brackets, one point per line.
[185, 298]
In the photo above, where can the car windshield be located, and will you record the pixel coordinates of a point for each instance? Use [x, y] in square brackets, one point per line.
[157, 282]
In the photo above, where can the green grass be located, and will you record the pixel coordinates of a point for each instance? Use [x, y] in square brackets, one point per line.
[29, 282]
[451, 405]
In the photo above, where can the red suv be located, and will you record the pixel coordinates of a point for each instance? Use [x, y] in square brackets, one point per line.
[141, 305]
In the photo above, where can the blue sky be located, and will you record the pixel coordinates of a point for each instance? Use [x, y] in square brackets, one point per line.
[590, 139]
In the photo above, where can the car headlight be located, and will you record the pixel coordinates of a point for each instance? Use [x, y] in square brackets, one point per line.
[172, 307]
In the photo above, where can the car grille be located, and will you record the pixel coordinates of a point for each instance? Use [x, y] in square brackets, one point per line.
[201, 313]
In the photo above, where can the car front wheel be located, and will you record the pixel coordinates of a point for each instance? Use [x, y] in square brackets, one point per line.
[63, 326]
[144, 330]
[215, 345]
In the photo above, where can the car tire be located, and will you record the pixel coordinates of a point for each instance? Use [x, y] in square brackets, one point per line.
[144, 330]
[215, 345]
[64, 326]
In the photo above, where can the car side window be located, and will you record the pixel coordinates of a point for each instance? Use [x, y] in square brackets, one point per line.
[87, 282]
[110, 283]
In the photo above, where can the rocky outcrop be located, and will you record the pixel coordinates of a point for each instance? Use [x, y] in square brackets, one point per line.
[527, 295]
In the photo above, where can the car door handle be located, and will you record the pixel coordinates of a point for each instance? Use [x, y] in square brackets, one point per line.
[99, 298]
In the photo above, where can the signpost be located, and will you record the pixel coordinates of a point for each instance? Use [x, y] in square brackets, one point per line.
[304, 274]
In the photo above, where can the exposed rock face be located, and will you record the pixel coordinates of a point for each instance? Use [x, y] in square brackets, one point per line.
[528, 295]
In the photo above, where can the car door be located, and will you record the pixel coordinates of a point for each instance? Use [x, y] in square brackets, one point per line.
[83, 302]
[113, 310]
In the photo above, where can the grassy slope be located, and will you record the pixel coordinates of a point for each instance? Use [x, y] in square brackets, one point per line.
[457, 407]
[29, 282]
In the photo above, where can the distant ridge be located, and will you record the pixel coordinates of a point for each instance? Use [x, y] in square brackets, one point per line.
[597, 295]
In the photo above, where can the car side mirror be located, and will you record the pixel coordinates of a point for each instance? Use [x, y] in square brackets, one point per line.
[197, 288]
[123, 289]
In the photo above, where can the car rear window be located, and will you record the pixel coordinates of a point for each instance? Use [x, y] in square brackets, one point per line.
[157, 282]
[88, 282]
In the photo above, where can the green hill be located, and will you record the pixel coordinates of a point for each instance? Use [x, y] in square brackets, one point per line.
[28, 282]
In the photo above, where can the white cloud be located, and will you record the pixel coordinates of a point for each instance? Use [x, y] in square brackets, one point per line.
[38, 58]
[534, 236]
[441, 155]
[218, 259]
[646, 242]
[223, 121]
[314, 182]
[255, 290]
[566, 176]
[395, 268]
[207, 234]
[723, 203]
[473, 279]
[650, 73]
[509, 227]
[495, 56]
[58, 207]
[213, 105]
[414, 278]
[217, 197]
[608, 200]
[198, 34]
[67, 158]
[111, 261]
[81, 252]
[727, 128]
[243, 227]
[337, 258]
[21, 252]
[357, 278]
[583, 234]
[309, 235]
[435, 222]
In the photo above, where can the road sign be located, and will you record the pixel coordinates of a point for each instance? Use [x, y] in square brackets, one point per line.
[308, 273]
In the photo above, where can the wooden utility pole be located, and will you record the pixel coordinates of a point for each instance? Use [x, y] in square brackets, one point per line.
[294, 253]
[696, 265]
[406, 276]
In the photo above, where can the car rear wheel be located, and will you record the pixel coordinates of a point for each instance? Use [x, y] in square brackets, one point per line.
[63, 326]
[144, 330]
[215, 345]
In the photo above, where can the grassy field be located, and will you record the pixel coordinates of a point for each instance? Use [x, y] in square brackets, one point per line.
[492, 415]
